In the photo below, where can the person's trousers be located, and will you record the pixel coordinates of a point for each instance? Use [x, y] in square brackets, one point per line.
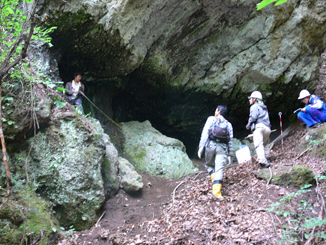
[260, 137]
[216, 159]
[78, 103]
[312, 116]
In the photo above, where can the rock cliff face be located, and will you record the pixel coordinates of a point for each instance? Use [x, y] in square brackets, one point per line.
[173, 61]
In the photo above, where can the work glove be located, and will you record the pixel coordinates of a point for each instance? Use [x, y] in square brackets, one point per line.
[200, 151]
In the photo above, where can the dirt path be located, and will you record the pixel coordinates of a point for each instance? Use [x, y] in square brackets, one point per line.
[126, 210]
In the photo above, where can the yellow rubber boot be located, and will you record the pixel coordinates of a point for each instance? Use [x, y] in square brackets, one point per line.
[212, 177]
[217, 191]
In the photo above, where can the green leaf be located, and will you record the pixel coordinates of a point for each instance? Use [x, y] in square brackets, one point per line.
[280, 2]
[7, 10]
[264, 3]
[60, 89]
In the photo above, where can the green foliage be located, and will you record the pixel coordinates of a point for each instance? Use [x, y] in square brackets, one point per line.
[60, 89]
[17, 32]
[264, 3]
[298, 224]
[59, 102]
[79, 110]
[69, 232]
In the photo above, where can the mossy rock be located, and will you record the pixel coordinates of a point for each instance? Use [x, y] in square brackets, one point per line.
[25, 218]
[298, 176]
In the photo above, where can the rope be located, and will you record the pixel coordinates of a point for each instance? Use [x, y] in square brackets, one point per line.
[114, 122]
[117, 124]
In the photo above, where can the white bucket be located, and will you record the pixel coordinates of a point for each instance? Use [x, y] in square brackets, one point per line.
[243, 155]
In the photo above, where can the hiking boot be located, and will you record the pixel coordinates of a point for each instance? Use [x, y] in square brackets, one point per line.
[217, 191]
[316, 125]
[262, 165]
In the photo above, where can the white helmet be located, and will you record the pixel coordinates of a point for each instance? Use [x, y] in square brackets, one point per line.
[256, 94]
[303, 94]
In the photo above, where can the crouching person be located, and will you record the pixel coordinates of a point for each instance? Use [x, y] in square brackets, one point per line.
[217, 140]
[314, 113]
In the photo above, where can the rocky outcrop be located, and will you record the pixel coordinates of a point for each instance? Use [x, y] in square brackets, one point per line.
[19, 113]
[154, 153]
[130, 181]
[209, 45]
[66, 160]
[173, 62]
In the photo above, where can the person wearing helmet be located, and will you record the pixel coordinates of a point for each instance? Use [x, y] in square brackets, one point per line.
[218, 151]
[314, 113]
[260, 125]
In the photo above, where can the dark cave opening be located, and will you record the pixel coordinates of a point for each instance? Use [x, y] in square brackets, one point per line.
[176, 113]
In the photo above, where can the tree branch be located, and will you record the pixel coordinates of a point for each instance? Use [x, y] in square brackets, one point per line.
[6, 66]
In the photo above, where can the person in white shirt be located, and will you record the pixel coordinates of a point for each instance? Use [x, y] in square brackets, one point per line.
[74, 90]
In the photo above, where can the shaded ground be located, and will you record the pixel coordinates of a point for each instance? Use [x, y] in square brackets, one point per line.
[184, 211]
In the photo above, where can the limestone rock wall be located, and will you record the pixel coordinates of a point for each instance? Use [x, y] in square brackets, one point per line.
[212, 46]
[172, 62]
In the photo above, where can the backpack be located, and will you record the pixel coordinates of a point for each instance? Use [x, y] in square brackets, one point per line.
[219, 132]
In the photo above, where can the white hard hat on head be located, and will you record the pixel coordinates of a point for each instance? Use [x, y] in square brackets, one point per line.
[256, 94]
[303, 94]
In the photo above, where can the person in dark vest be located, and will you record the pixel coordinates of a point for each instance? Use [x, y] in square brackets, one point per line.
[217, 151]
[74, 89]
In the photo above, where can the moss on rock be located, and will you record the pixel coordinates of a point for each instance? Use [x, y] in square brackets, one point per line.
[26, 218]
[297, 177]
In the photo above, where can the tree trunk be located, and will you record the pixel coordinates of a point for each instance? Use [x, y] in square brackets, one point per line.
[4, 151]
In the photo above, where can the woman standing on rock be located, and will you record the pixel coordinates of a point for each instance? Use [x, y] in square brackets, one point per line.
[74, 89]
[217, 139]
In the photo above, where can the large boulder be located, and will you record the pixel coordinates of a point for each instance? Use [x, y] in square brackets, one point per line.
[154, 153]
[66, 160]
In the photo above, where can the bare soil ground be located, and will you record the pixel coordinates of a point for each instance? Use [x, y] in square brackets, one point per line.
[183, 211]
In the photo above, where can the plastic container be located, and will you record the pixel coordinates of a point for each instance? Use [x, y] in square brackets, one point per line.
[243, 155]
